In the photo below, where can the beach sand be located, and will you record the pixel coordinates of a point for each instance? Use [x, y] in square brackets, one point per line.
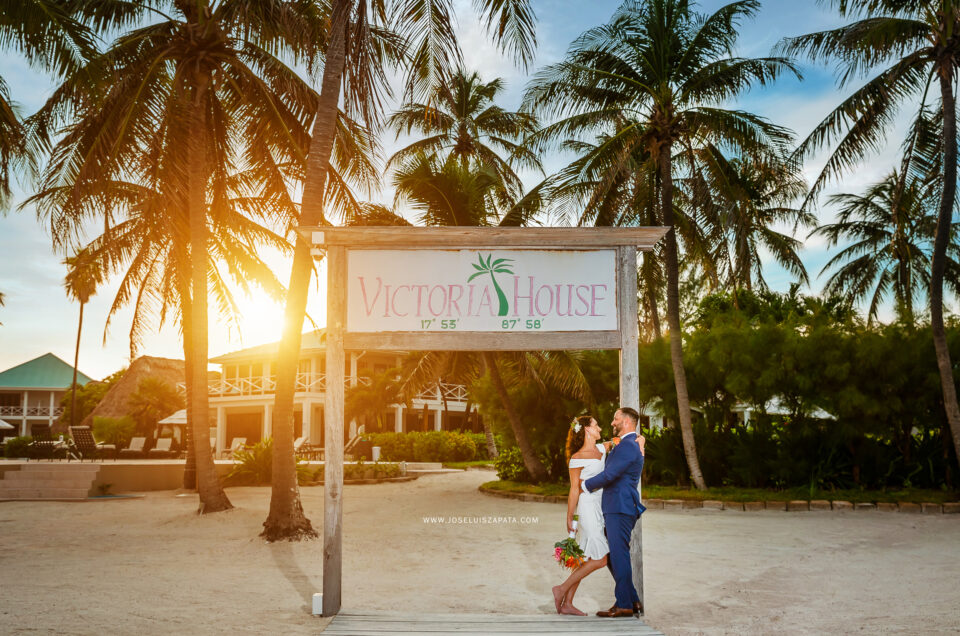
[151, 565]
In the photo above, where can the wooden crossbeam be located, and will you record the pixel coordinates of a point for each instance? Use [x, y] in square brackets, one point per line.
[643, 238]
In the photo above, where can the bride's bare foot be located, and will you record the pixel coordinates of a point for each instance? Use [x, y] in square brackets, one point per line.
[557, 597]
[566, 608]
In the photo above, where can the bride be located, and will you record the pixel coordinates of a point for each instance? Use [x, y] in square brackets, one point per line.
[586, 460]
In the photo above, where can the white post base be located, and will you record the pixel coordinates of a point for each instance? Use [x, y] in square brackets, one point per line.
[318, 604]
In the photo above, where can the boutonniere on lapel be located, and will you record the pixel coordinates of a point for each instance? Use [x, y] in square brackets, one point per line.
[614, 442]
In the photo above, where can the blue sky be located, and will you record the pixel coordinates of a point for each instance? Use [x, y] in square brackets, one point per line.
[38, 317]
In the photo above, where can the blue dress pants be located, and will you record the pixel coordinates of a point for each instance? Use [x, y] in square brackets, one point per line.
[619, 527]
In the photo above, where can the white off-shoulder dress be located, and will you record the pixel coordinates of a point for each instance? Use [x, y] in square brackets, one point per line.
[590, 533]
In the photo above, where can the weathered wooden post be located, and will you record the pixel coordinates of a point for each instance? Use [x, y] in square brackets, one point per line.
[630, 375]
[333, 430]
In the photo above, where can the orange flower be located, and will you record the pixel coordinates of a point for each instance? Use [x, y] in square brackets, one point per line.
[615, 440]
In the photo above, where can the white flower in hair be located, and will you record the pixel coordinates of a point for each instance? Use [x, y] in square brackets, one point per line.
[575, 425]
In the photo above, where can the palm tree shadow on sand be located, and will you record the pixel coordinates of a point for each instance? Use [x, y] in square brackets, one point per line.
[283, 556]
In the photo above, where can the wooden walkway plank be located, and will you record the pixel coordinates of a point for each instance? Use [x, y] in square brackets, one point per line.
[385, 624]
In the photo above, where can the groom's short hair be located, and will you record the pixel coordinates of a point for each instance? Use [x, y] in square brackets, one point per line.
[631, 413]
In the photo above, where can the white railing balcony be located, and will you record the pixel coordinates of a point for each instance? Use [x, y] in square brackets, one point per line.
[317, 383]
[31, 411]
[444, 391]
[266, 385]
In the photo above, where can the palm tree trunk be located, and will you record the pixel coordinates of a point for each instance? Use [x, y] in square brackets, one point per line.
[186, 317]
[492, 452]
[212, 496]
[446, 403]
[940, 255]
[650, 294]
[673, 320]
[76, 361]
[530, 460]
[655, 316]
[286, 519]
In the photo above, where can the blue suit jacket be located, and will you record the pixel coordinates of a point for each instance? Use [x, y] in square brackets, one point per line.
[619, 479]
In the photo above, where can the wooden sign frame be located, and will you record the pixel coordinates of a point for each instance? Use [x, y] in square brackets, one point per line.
[335, 241]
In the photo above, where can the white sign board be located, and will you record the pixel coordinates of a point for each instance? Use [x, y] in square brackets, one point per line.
[490, 290]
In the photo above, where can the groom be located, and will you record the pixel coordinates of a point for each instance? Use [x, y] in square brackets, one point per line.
[621, 507]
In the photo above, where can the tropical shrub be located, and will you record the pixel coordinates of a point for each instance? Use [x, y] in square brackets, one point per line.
[510, 466]
[253, 466]
[17, 446]
[114, 430]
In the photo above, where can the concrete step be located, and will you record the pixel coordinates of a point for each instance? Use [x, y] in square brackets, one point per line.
[16, 475]
[437, 471]
[424, 466]
[54, 481]
[48, 481]
[59, 467]
[44, 493]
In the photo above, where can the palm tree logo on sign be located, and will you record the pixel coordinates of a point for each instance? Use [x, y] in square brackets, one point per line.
[499, 266]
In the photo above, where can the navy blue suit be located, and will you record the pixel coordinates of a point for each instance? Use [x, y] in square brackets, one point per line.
[621, 507]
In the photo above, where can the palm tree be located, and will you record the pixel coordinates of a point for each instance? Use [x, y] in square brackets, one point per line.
[446, 193]
[358, 44]
[153, 400]
[47, 35]
[914, 45]
[203, 86]
[461, 119]
[613, 182]
[890, 229]
[373, 399]
[667, 71]
[749, 198]
[84, 275]
[557, 369]
[13, 141]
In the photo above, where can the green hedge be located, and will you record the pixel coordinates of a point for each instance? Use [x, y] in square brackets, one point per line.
[363, 470]
[17, 447]
[430, 446]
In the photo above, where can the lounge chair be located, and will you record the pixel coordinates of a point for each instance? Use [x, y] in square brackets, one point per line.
[355, 447]
[43, 445]
[163, 449]
[298, 445]
[135, 448]
[86, 446]
[236, 444]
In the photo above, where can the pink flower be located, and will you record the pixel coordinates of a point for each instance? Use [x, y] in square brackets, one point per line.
[556, 553]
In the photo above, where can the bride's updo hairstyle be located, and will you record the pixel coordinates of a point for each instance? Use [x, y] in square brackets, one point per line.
[577, 434]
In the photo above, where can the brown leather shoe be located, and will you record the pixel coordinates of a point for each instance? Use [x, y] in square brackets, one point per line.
[615, 612]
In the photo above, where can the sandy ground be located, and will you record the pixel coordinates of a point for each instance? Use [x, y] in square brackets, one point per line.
[152, 566]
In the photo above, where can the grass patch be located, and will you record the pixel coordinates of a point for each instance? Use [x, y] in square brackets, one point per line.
[465, 465]
[917, 495]
[534, 489]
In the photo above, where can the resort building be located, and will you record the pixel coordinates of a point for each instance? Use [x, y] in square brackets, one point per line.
[243, 395]
[30, 393]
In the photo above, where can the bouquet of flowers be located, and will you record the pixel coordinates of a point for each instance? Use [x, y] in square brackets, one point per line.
[568, 552]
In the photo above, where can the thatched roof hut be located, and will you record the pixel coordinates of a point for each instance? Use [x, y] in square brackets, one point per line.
[116, 402]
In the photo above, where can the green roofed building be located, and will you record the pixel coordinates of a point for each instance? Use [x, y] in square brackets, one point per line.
[30, 393]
